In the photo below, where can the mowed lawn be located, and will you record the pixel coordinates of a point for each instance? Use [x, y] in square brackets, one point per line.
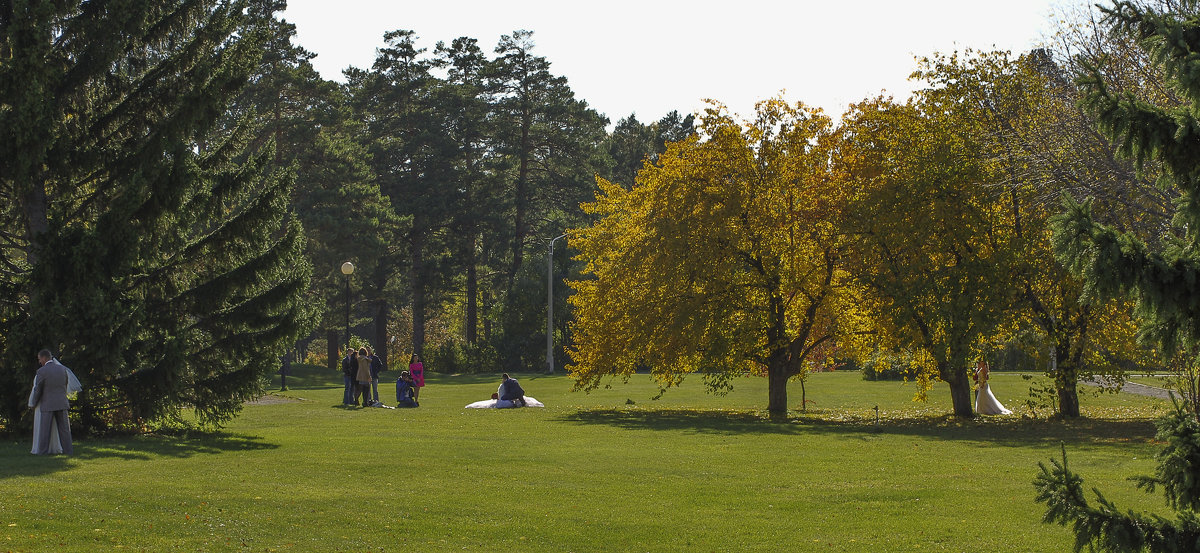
[612, 470]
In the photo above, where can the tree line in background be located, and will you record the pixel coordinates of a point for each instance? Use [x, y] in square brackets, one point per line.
[182, 188]
[440, 175]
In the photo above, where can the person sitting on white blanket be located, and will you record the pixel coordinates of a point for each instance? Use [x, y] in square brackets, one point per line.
[510, 394]
[511, 390]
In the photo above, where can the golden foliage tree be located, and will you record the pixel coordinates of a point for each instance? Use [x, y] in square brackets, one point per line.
[722, 258]
[930, 242]
[1038, 144]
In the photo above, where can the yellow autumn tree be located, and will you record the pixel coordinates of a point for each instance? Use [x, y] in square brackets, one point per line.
[930, 244]
[722, 258]
[1038, 144]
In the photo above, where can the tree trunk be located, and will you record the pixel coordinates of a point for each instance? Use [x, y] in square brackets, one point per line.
[417, 278]
[331, 349]
[803, 397]
[472, 333]
[1068, 400]
[521, 204]
[37, 222]
[381, 320]
[1065, 379]
[777, 379]
[418, 318]
[487, 321]
[960, 391]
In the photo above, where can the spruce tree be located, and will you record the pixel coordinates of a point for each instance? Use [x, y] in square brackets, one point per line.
[1161, 279]
[142, 242]
[1103, 527]
[345, 217]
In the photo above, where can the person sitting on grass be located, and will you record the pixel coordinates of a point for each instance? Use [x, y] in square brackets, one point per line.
[510, 390]
[405, 391]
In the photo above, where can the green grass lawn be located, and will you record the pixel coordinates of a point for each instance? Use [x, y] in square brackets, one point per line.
[590, 472]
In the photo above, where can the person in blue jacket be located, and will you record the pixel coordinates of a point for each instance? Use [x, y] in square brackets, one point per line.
[405, 391]
[511, 390]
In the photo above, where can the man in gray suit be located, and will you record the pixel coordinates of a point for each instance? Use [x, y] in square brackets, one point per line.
[50, 389]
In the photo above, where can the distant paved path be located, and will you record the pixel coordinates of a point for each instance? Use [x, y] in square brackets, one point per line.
[1144, 390]
[1136, 389]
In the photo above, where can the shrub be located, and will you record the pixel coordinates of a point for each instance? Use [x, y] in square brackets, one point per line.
[458, 358]
[888, 367]
[316, 353]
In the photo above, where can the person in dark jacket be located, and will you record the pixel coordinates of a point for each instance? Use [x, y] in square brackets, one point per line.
[510, 390]
[349, 367]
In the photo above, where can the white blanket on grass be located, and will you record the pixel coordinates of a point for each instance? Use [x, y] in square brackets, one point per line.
[503, 403]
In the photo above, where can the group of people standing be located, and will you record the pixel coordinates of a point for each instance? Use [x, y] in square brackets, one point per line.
[360, 374]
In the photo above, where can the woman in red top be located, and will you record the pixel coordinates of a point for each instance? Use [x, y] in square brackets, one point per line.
[417, 371]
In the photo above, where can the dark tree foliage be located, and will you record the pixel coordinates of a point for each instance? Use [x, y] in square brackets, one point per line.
[481, 158]
[1162, 280]
[632, 144]
[410, 123]
[345, 216]
[548, 143]
[548, 151]
[140, 242]
[482, 203]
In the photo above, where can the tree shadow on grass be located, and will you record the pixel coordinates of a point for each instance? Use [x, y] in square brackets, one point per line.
[684, 420]
[16, 459]
[1004, 431]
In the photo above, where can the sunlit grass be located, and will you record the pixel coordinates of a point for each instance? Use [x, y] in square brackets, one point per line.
[610, 470]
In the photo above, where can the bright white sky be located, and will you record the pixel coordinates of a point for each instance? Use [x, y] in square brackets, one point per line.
[652, 56]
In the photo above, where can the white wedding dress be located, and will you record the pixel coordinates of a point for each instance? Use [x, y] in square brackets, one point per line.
[987, 404]
[55, 443]
[503, 404]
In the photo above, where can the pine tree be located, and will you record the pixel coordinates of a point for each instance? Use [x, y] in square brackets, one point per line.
[1103, 527]
[412, 159]
[479, 213]
[345, 217]
[548, 144]
[1161, 280]
[140, 243]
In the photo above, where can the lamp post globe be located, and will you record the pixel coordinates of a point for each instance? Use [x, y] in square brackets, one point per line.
[347, 268]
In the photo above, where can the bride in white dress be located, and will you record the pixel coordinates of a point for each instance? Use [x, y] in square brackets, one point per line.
[985, 402]
[55, 443]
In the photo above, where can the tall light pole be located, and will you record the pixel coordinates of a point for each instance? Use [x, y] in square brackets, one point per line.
[347, 269]
[550, 305]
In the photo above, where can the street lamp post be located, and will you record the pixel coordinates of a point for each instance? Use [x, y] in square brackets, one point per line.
[550, 305]
[347, 269]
